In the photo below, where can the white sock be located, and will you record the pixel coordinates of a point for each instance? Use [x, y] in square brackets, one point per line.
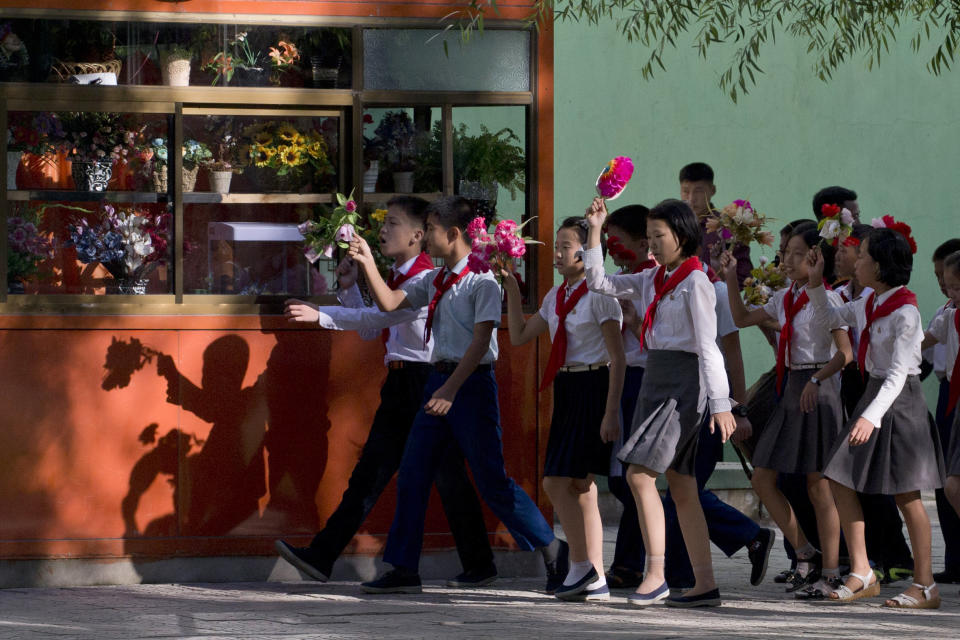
[596, 584]
[577, 571]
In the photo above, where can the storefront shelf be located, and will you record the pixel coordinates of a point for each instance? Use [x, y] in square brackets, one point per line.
[195, 197]
[87, 196]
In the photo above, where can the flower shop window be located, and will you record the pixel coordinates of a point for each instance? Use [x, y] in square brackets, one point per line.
[267, 171]
[402, 152]
[175, 54]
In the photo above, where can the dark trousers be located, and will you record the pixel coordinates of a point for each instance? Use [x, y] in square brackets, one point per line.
[627, 552]
[949, 522]
[400, 399]
[473, 423]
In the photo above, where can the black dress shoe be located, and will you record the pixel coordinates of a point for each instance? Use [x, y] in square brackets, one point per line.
[305, 559]
[759, 553]
[395, 581]
[474, 578]
[623, 578]
[706, 599]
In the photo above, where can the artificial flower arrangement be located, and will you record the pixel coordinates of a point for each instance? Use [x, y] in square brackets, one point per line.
[763, 281]
[94, 136]
[248, 58]
[397, 133]
[26, 245]
[325, 233]
[888, 222]
[281, 146]
[504, 247]
[38, 133]
[128, 243]
[836, 224]
[739, 223]
[614, 178]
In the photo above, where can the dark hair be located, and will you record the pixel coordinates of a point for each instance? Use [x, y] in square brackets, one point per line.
[413, 207]
[631, 218]
[578, 224]
[831, 195]
[790, 226]
[811, 237]
[682, 221]
[861, 231]
[952, 262]
[696, 172]
[891, 251]
[950, 246]
[452, 211]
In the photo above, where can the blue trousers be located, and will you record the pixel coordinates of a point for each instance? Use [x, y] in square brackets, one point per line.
[473, 422]
[949, 522]
[627, 553]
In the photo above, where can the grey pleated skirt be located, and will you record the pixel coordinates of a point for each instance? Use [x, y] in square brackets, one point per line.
[666, 422]
[796, 442]
[953, 452]
[903, 455]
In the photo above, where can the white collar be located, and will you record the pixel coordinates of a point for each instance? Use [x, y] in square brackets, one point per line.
[405, 267]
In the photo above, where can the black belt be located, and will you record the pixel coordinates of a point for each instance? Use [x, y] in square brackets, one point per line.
[394, 365]
[447, 367]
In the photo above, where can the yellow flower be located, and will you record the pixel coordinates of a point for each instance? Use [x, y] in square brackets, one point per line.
[263, 138]
[290, 156]
[287, 132]
[261, 155]
[316, 150]
[378, 215]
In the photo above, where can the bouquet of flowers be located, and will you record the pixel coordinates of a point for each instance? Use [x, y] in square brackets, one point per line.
[26, 246]
[129, 244]
[95, 136]
[322, 234]
[888, 222]
[836, 225]
[38, 133]
[762, 283]
[280, 146]
[503, 248]
[282, 58]
[397, 133]
[740, 223]
[615, 177]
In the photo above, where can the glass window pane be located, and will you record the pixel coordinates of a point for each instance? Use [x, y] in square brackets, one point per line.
[415, 60]
[402, 150]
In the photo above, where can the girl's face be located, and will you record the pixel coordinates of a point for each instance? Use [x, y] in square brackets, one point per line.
[625, 250]
[664, 244]
[951, 282]
[565, 250]
[866, 268]
[846, 260]
[794, 262]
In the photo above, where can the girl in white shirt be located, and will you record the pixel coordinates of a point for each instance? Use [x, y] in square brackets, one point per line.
[684, 370]
[586, 368]
[890, 445]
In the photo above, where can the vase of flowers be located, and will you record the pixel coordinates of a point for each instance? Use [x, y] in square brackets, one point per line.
[128, 243]
[247, 62]
[398, 136]
[287, 156]
[35, 135]
[26, 248]
[95, 140]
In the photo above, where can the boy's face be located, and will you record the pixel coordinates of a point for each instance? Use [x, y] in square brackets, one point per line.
[697, 195]
[629, 251]
[441, 241]
[951, 280]
[565, 250]
[938, 271]
[846, 260]
[400, 234]
[854, 207]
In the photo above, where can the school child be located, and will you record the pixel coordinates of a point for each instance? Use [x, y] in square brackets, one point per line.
[679, 332]
[586, 368]
[886, 547]
[889, 445]
[460, 400]
[407, 359]
[945, 331]
[936, 355]
[809, 416]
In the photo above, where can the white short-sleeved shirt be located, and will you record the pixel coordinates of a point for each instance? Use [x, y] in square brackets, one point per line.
[810, 343]
[474, 299]
[895, 339]
[686, 319]
[585, 343]
[942, 328]
[937, 354]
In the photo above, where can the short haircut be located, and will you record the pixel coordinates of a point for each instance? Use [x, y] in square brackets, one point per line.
[831, 195]
[683, 221]
[697, 172]
[891, 251]
[631, 218]
[861, 231]
[950, 246]
[413, 207]
[452, 211]
[578, 224]
[811, 237]
[790, 226]
[952, 262]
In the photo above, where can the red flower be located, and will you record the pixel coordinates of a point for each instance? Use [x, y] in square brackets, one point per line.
[829, 210]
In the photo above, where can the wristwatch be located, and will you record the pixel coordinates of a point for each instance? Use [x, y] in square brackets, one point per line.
[815, 380]
[740, 410]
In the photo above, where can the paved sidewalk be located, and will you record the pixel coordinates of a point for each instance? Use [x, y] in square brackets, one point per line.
[509, 608]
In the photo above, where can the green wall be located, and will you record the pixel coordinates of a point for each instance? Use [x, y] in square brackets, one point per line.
[889, 134]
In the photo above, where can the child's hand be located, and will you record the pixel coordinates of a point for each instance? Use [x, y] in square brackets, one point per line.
[597, 212]
[299, 311]
[347, 273]
[815, 272]
[808, 397]
[440, 402]
[610, 427]
[728, 265]
[861, 432]
[360, 251]
[725, 422]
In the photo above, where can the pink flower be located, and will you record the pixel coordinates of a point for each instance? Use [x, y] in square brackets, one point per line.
[745, 204]
[726, 234]
[327, 251]
[615, 177]
[351, 206]
[345, 232]
[505, 228]
[477, 228]
[311, 254]
[477, 264]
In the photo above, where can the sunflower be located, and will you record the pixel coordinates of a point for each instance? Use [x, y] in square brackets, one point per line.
[290, 156]
[261, 155]
[287, 132]
[263, 138]
[317, 149]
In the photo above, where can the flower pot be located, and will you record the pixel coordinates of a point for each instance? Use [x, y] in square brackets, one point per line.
[252, 76]
[13, 162]
[403, 181]
[42, 172]
[220, 181]
[370, 177]
[92, 176]
[321, 76]
[159, 179]
[176, 73]
[190, 178]
[126, 286]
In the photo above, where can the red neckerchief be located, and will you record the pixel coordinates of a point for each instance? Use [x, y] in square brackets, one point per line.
[902, 297]
[558, 350]
[422, 263]
[662, 288]
[712, 275]
[790, 309]
[955, 376]
[441, 286]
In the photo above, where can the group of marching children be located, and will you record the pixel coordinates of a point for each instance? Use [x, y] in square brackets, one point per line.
[639, 379]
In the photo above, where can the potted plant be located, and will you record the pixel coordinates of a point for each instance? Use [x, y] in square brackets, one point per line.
[220, 174]
[94, 141]
[26, 248]
[487, 161]
[327, 48]
[398, 135]
[176, 66]
[194, 153]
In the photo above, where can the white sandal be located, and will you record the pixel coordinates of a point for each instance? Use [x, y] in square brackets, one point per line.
[903, 601]
[866, 590]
